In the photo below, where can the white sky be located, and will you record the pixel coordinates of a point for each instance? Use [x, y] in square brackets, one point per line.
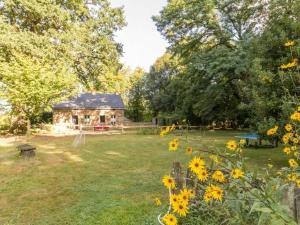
[142, 43]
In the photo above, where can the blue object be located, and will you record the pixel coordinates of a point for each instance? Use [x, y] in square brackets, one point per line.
[249, 136]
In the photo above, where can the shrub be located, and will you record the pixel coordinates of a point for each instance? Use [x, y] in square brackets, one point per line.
[218, 188]
[4, 122]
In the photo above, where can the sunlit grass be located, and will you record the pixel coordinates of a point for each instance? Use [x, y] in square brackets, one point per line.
[109, 180]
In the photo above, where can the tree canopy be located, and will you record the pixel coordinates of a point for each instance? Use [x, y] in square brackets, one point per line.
[228, 56]
[53, 46]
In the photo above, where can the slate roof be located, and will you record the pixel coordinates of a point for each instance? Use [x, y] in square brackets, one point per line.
[92, 101]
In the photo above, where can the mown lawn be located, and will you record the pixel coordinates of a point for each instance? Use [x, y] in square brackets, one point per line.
[111, 180]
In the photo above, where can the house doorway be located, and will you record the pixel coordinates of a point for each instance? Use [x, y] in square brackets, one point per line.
[75, 121]
[102, 119]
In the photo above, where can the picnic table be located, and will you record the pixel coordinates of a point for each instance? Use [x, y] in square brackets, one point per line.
[258, 139]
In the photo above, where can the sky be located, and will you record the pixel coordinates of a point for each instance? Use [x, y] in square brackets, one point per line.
[142, 43]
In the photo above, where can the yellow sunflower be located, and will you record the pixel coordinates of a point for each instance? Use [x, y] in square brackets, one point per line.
[157, 201]
[189, 150]
[169, 219]
[295, 116]
[174, 199]
[218, 176]
[202, 175]
[293, 163]
[217, 192]
[288, 127]
[289, 43]
[272, 131]
[207, 197]
[295, 140]
[213, 191]
[192, 193]
[243, 141]
[237, 173]
[232, 145]
[181, 208]
[173, 145]
[286, 150]
[298, 183]
[168, 128]
[196, 164]
[184, 195]
[292, 177]
[291, 64]
[286, 137]
[169, 182]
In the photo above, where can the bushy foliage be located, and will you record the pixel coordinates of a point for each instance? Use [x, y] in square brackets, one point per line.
[4, 122]
[219, 188]
[229, 54]
[47, 48]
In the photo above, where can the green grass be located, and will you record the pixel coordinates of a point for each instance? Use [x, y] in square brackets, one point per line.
[111, 180]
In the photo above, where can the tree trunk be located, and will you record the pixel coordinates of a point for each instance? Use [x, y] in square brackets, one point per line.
[28, 132]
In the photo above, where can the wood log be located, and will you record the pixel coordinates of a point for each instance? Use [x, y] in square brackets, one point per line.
[26, 150]
[27, 154]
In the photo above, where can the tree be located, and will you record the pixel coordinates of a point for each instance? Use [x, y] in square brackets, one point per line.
[31, 86]
[190, 26]
[226, 48]
[157, 81]
[51, 43]
[136, 101]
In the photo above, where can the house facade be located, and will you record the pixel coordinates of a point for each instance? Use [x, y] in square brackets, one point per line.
[90, 109]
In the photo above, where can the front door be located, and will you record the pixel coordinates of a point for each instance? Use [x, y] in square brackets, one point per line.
[102, 119]
[75, 121]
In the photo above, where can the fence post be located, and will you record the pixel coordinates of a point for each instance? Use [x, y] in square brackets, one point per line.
[291, 199]
[297, 204]
[188, 180]
[177, 174]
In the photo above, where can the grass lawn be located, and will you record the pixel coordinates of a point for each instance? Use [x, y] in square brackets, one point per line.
[111, 180]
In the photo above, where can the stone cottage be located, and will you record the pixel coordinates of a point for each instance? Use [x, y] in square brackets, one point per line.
[90, 109]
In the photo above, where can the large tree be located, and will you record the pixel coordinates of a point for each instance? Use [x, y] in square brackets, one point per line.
[52, 46]
[226, 47]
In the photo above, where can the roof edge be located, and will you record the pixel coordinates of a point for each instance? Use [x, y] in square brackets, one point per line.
[67, 108]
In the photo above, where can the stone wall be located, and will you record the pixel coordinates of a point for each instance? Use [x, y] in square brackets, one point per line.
[63, 116]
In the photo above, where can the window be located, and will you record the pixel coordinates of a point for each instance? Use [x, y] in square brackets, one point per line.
[113, 119]
[75, 120]
[87, 119]
[102, 118]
